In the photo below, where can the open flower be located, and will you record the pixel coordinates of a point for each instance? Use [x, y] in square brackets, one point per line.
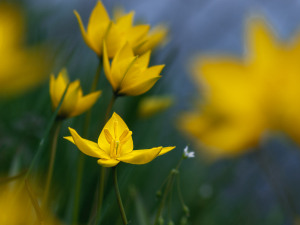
[187, 154]
[74, 102]
[115, 145]
[246, 98]
[22, 67]
[116, 34]
[128, 74]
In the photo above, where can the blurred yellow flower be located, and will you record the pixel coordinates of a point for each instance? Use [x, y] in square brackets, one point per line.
[149, 106]
[115, 145]
[246, 98]
[128, 74]
[100, 28]
[21, 67]
[74, 102]
[19, 210]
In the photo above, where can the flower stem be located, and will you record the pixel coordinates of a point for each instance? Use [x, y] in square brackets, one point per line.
[56, 129]
[119, 196]
[85, 134]
[109, 107]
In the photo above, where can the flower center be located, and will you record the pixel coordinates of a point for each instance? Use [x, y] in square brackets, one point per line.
[116, 142]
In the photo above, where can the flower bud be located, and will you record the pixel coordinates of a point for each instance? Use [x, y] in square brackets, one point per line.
[161, 221]
[171, 223]
[183, 220]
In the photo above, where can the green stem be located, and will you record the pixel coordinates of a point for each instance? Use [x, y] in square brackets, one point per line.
[119, 197]
[101, 192]
[171, 176]
[56, 129]
[161, 205]
[109, 107]
[85, 134]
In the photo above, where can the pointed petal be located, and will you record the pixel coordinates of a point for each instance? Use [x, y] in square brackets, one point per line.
[125, 22]
[124, 53]
[83, 33]
[136, 34]
[137, 84]
[88, 147]
[144, 59]
[157, 36]
[165, 150]
[85, 102]
[106, 65]
[108, 162]
[140, 156]
[52, 89]
[102, 142]
[70, 138]
[98, 16]
[114, 40]
[69, 103]
[123, 69]
[59, 88]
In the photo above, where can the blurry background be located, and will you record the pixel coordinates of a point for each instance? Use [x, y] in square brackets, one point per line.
[232, 191]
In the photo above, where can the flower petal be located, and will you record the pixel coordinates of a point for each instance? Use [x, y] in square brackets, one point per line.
[83, 33]
[99, 16]
[85, 102]
[52, 90]
[140, 156]
[69, 103]
[87, 147]
[114, 40]
[136, 34]
[108, 162]
[144, 59]
[102, 142]
[165, 150]
[124, 22]
[124, 53]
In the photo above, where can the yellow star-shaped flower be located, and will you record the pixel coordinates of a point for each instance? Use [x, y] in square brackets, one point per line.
[245, 98]
[115, 145]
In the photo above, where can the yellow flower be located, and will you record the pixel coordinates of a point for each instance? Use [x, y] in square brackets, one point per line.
[100, 28]
[21, 67]
[245, 98]
[157, 36]
[74, 102]
[129, 74]
[115, 145]
[149, 106]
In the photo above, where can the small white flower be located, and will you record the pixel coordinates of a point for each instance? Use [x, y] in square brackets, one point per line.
[187, 154]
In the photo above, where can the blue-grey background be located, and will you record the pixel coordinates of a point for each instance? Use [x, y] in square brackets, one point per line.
[236, 191]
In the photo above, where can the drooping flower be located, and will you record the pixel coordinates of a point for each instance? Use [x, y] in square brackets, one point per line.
[115, 34]
[149, 106]
[245, 98]
[115, 145]
[128, 74]
[22, 67]
[74, 102]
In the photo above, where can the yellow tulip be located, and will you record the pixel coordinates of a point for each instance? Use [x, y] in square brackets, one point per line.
[115, 145]
[115, 34]
[246, 98]
[149, 106]
[156, 37]
[21, 67]
[74, 102]
[128, 74]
